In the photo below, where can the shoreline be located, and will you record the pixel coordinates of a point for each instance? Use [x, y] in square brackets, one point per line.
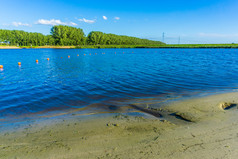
[168, 46]
[191, 128]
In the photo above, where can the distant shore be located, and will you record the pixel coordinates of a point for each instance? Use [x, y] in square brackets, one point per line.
[175, 46]
[194, 128]
[9, 47]
[37, 47]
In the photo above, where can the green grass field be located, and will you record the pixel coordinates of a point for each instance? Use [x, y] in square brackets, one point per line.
[163, 46]
[200, 46]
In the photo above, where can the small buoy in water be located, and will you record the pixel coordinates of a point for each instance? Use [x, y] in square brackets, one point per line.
[61, 57]
[95, 53]
[84, 54]
[90, 54]
[48, 59]
[36, 61]
[1, 66]
[68, 56]
[78, 55]
[19, 63]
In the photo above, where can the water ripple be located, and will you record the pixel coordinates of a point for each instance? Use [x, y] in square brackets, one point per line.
[87, 82]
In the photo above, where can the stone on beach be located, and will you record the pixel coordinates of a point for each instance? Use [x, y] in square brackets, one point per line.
[226, 105]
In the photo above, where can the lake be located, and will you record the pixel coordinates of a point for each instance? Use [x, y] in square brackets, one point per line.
[91, 79]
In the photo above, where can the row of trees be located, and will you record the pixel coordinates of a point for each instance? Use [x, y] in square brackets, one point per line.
[99, 38]
[22, 38]
[66, 35]
[69, 36]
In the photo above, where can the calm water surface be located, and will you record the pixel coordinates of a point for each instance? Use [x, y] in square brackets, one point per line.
[93, 81]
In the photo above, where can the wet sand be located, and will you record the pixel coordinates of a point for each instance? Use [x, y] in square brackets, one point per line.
[192, 128]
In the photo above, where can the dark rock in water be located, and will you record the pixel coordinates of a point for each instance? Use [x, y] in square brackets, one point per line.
[226, 105]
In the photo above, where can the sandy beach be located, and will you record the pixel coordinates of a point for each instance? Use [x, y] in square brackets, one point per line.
[193, 128]
[38, 47]
[9, 47]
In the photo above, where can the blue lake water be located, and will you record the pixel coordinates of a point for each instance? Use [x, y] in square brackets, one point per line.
[105, 76]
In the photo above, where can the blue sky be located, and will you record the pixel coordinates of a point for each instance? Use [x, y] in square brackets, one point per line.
[198, 21]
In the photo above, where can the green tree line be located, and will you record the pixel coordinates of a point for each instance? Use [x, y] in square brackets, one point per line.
[69, 36]
[99, 38]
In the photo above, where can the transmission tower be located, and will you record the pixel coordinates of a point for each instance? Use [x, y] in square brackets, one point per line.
[163, 37]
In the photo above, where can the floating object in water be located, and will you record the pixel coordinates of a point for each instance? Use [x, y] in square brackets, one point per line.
[68, 56]
[95, 53]
[78, 55]
[19, 63]
[84, 54]
[1, 66]
[37, 61]
[61, 57]
[90, 54]
[48, 59]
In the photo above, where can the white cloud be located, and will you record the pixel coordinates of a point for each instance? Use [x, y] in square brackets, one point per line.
[54, 22]
[87, 21]
[16, 24]
[72, 23]
[104, 17]
[117, 18]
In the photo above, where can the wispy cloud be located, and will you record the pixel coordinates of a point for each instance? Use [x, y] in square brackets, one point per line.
[117, 18]
[87, 21]
[72, 23]
[17, 24]
[104, 17]
[53, 22]
[217, 35]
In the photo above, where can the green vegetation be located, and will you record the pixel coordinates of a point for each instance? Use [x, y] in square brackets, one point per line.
[70, 36]
[67, 36]
[200, 46]
[163, 46]
[99, 38]
[74, 37]
[21, 38]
